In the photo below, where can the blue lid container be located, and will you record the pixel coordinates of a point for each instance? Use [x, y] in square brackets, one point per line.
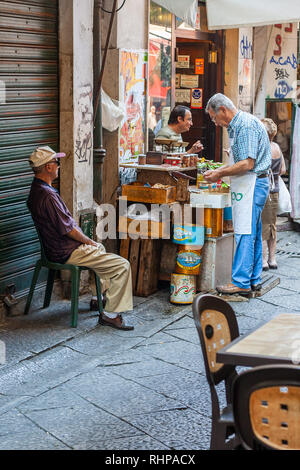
[189, 235]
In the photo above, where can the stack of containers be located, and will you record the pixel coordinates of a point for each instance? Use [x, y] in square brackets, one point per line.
[190, 241]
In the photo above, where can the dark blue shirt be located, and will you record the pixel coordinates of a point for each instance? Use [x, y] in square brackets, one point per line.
[53, 220]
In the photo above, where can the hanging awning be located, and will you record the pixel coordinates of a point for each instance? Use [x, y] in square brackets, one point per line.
[225, 14]
[186, 10]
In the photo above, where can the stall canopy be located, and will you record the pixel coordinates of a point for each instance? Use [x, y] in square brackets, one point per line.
[186, 10]
[225, 14]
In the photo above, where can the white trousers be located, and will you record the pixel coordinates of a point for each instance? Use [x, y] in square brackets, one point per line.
[107, 266]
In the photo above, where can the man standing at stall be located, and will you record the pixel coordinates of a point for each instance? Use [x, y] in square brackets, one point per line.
[180, 121]
[248, 168]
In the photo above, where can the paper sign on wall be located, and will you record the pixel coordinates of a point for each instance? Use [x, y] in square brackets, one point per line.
[199, 66]
[197, 98]
[183, 62]
[182, 96]
[189, 81]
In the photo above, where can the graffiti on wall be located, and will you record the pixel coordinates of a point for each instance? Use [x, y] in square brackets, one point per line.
[282, 61]
[245, 69]
[84, 139]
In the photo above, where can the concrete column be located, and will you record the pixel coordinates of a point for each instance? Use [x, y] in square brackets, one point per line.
[231, 74]
[76, 103]
[130, 32]
[76, 111]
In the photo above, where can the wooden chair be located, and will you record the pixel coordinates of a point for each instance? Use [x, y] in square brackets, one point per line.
[266, 406]
[217, 326]
[43, 262]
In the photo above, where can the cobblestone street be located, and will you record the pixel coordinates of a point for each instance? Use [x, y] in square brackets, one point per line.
[99, 388]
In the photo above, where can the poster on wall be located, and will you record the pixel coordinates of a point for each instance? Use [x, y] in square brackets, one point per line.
[245, 92]
[133, 95]
[199, 66]
[281, 67]
[197, 98]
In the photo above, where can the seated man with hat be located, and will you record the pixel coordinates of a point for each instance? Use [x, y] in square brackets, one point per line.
[64, 241]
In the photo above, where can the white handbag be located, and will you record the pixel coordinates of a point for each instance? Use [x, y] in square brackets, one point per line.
[284, 199]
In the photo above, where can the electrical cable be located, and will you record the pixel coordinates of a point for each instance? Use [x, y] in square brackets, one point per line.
[118, 9]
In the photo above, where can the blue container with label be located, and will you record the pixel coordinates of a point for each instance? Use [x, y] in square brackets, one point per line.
[227, 213]
[189, 235]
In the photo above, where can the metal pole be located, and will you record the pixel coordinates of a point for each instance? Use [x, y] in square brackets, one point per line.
[97, 97]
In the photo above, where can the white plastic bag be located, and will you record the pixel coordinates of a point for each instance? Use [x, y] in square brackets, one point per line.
[284, 200]
[113, 112]
[184, 9]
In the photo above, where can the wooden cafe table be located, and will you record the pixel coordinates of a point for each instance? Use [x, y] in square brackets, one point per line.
[275, 342]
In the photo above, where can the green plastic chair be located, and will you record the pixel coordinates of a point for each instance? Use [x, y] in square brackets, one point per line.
[75, 280]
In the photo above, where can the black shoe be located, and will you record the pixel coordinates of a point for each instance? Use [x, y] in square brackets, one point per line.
[273, 266]
[256, 288]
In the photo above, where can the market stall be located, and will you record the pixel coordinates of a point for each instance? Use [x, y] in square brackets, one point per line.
[171, 224]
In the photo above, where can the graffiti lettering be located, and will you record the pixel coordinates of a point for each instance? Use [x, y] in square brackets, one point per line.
[278, 43]
[282, 89]
[292, 61]
[281, 73]
[84, 148]
[246, 48]
[289, 29]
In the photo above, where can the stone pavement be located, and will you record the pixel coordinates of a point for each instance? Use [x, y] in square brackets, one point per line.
[99, 388]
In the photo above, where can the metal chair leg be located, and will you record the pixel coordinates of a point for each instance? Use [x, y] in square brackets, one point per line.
[49, 288]
[32, 287]
[75, 278]
[99, 294]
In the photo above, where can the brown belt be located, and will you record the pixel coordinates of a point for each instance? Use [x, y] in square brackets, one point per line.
[264, 175]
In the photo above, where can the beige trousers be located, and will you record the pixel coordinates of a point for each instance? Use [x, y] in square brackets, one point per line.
[107, 266]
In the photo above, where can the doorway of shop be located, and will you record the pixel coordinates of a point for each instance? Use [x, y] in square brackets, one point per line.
[195, 82]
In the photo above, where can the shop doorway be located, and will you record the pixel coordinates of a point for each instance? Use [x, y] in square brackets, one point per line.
[195, 83]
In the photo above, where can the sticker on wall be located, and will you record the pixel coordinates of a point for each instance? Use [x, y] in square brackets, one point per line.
[197, 98]
[199, 66]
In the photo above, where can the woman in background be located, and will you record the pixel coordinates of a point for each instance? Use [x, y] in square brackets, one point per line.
[269, 213]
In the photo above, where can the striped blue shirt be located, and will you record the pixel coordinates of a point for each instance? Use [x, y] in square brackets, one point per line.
[250, 140]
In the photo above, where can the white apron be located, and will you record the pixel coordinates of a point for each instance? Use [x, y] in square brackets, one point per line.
[242, 191]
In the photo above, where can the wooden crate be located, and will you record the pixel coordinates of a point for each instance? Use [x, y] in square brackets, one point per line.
[144, 257]
[145, 228]
[154, 158]
[163, 177]
[137, 192]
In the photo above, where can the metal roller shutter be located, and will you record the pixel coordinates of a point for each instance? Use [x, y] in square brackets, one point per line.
[28, 118]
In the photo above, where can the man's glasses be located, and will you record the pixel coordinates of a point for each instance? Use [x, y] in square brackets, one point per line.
[55, 161]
